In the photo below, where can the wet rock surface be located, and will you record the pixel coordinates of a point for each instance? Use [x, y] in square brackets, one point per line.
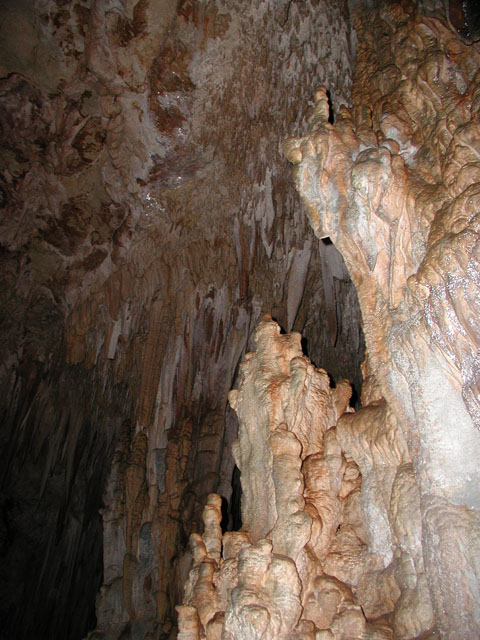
[148, 219]
[393, 184]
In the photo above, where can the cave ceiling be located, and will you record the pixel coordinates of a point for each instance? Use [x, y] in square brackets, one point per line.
[149, 218]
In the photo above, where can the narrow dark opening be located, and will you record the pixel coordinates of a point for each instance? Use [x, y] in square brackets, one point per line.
[304, 343]
[355, 399]
[331, 116]
[231, 513]
[236, 501]
[225, 515]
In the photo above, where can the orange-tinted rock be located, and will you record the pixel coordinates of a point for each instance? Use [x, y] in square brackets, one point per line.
[393, 184]
[148, 218]
[293, 571]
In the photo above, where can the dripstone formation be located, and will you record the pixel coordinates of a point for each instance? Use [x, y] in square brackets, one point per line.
[395, 184]
[330, 546]
[149, 219]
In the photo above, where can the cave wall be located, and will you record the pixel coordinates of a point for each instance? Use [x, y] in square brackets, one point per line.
[395, 186]
[148, 219]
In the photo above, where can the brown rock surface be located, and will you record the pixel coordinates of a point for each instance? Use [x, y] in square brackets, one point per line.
[147, 221]
[148, 218]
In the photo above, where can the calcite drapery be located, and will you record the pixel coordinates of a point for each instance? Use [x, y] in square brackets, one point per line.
[147, 217]
[395, 184]
[306, 563]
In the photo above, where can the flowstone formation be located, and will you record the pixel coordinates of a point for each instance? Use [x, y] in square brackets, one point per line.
[395, 184]
[307, 564]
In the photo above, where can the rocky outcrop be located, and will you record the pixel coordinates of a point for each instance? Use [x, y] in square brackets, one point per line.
[331, 540]
[394, 185]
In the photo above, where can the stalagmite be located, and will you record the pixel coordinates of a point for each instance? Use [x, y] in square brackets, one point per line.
[324, 552]
[148, 222]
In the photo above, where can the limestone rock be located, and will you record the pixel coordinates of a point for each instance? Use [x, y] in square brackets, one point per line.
[147, 219]
[394, 184]
[300, 579]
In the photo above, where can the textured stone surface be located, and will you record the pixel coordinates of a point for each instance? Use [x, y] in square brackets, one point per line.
[394, 184]
[301, 564]
[147, 219]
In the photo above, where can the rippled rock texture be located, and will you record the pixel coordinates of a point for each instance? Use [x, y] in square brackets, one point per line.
[331, 540]
[148, 220]
[395, 184]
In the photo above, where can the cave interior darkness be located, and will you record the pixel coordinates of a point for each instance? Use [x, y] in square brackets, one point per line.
[149, 220]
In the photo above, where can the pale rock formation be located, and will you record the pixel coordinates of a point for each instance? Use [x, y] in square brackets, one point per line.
[394, 184]
[148, 219]
[305, 565]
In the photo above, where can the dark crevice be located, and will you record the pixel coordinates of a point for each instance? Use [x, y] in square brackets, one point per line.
[331, 115]
[235, 502]
[225, 515]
